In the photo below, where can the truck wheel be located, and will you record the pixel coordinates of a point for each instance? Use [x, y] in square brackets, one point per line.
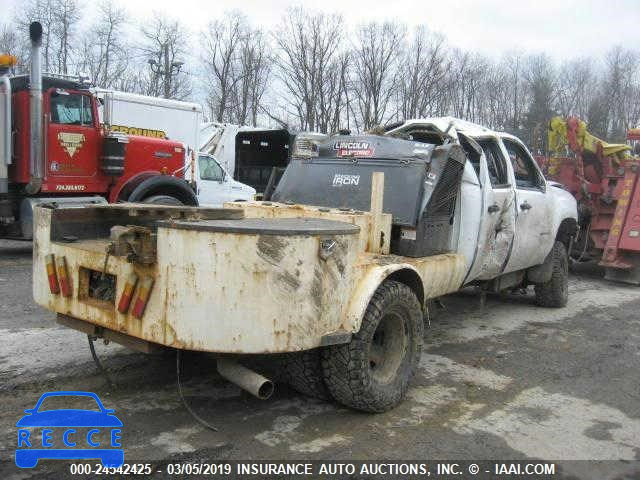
[372, 372]
[163, 200]
[555, 292]
[303, 372]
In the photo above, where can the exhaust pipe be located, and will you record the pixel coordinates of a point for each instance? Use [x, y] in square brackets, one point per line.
[5, 131]
[248, 380]
[36, 160]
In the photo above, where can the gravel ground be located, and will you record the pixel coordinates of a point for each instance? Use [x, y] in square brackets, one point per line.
[511, 381]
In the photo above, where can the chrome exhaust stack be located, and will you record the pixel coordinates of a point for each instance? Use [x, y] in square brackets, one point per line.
[36, 160]
[248, 380]
[5, 129]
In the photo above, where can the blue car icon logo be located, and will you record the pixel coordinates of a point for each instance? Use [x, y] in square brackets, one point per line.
[82, 433]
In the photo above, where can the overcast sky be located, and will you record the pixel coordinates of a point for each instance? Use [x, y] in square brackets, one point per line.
[562, 28]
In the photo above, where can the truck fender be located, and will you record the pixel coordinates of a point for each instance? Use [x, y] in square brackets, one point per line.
[564, 213]
[167, 185]
[542, 273]
[123, 189]
[373, 277]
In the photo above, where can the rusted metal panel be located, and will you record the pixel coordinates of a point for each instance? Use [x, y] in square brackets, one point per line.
[364, 220]
[221, 291]
[252, 293]
[440, 274]
[214, 291]
[91, 254]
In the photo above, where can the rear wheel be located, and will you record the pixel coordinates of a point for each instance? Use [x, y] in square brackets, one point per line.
[163, 200]
[372, 372]
[555, 292]
[303, 372]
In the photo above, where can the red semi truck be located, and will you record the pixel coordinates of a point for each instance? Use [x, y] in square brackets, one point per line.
[53, 149]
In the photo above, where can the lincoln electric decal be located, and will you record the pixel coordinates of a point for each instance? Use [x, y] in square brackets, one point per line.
[353, 149]
[71, 142]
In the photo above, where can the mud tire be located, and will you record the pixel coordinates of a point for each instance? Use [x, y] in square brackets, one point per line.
[373, 371]
[303, 372]
[555, 292]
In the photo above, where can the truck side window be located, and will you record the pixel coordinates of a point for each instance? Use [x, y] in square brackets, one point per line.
[71, 109]
[209, 169]
[526, 173]
[495, 163]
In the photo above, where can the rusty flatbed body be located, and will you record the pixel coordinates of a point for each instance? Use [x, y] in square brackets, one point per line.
[245, 279]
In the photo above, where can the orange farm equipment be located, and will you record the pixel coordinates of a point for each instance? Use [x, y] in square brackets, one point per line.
[605, 180]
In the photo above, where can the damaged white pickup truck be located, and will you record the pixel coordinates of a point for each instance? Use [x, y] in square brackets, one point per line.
[333, 274]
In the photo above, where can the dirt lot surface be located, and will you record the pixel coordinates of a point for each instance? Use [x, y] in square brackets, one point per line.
[512, 381]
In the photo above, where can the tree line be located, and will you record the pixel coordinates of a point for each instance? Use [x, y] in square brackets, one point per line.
[315, 72]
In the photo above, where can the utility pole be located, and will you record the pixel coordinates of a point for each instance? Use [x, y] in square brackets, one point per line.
[166, 71]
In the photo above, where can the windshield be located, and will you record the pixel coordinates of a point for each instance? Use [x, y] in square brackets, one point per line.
[210, 169]
[71, 109]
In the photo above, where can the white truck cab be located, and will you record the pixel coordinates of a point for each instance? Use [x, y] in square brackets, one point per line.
[216, 186]
[510, 216]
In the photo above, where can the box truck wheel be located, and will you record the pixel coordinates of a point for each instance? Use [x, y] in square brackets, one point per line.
[555, 292]
[372, 372]
[162, 200]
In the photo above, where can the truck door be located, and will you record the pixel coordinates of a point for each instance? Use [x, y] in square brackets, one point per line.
[72, 148]
[212, 189]
[533, 235]
[496, 233]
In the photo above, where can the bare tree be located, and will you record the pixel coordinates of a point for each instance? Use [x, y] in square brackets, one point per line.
[513, 62]
[104, 54]
[254, 71]
[377, 54]
[310, 67]
[621, 87]
[221, 57]
[305, 73]
[540, 76]
[66, 14]
[576, 87]
[465, 87]
[424, 69]
[11, 43]
[237, 61]
[42, 11]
